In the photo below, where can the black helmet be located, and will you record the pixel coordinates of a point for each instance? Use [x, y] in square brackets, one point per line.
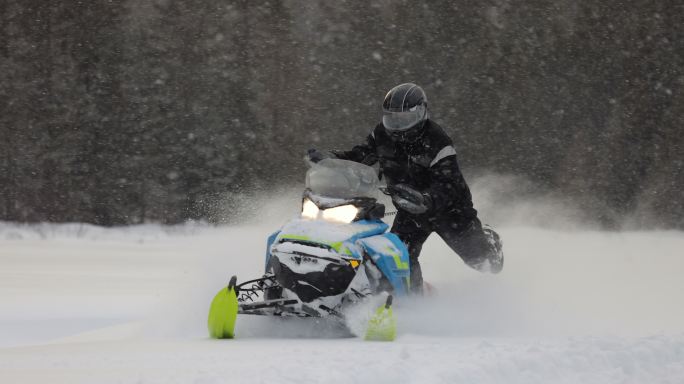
[404, 111]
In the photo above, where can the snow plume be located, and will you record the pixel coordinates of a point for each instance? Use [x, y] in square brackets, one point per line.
[555, 281]
[262, 206]
[501, 200]
[557, 284]
[512, 200]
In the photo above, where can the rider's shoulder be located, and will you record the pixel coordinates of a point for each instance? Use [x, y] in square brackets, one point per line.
[379, 132]
[437, 137]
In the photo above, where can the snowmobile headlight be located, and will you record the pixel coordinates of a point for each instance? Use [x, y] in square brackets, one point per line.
[344, 213]
[309, 209]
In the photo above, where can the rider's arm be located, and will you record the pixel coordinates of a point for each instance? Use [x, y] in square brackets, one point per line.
[364, 153]
[448, 188]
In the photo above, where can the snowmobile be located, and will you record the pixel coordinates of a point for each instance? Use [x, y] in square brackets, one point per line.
[337, 253]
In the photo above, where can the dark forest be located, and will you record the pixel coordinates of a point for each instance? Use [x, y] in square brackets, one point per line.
[124, 112]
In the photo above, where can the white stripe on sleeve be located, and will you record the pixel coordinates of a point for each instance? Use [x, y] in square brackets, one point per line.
[445, 152]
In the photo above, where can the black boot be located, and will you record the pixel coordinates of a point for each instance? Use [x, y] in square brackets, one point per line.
[495, 257]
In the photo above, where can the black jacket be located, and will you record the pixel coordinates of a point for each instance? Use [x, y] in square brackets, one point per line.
[428, 164]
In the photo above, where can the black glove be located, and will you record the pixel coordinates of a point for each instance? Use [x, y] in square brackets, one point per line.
[314, 155]
[409, 199]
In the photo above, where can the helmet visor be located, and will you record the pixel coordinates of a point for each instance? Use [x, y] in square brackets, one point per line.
[402, 121]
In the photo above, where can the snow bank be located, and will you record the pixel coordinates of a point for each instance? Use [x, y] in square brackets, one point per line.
[134, 233]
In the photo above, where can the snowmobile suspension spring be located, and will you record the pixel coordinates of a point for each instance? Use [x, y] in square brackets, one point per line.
[257, 285]
[250, 294]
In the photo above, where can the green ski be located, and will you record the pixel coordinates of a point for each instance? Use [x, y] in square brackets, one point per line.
[223, 312]
[382, 326]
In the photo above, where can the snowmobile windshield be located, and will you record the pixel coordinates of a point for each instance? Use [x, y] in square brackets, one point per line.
[402, 121]
[342, 179]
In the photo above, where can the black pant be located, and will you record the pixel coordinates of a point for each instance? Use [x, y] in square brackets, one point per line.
[480, 248]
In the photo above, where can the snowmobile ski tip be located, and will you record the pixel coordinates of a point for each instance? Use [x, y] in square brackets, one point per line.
[223, 312]
[382, 326]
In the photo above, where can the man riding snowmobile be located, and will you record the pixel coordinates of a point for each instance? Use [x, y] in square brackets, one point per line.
[418, 160]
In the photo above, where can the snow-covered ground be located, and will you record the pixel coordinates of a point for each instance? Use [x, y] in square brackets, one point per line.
[80, 304]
